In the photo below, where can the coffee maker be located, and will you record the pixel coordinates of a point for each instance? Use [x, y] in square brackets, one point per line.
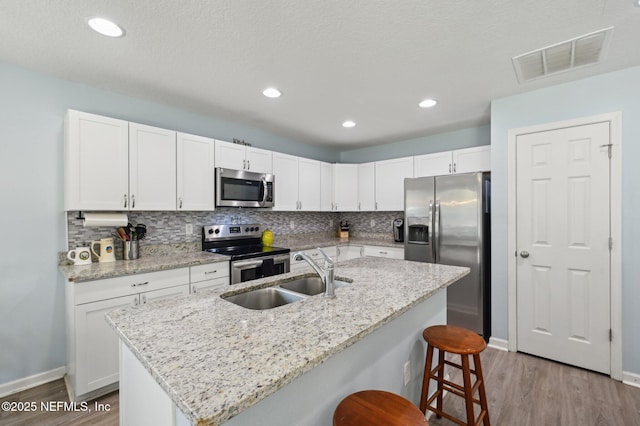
[398, 230]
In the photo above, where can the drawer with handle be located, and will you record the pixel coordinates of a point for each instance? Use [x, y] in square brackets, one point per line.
[209, 271]
[109, 288]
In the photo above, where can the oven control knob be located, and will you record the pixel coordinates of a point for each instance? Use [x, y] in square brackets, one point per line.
[257, 228]
[217, 231]
[211, 231]
[246, 229]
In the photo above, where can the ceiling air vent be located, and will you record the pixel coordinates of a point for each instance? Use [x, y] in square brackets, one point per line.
[567, 55]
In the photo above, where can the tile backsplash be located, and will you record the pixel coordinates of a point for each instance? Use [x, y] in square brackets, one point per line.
[169, 227]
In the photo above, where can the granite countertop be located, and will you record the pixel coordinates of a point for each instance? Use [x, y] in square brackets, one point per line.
[160, 262]
[158, 259]
[203, 351]
[308, 241]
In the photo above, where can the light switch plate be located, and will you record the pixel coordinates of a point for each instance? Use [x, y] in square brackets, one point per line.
[188, 229]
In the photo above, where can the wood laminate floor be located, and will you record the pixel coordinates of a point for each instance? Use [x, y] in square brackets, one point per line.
[522, 390]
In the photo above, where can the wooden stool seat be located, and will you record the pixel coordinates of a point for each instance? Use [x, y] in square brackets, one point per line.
[376, 407]
[463, 342]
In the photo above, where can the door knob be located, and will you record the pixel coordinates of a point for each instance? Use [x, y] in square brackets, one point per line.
[524, 253]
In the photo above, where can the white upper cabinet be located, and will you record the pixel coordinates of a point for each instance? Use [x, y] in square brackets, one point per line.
[259, 160]
[366, 187]
[476, 159]
[96, 172]
[195, 173]
[345, 187]
[440, 163]
[309, 184]
[326, 187]
[152, 168]
[285, 170]
[241, 157]
[297, 182]
[390, 175]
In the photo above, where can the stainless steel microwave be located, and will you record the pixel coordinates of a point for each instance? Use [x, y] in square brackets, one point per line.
[239, 188]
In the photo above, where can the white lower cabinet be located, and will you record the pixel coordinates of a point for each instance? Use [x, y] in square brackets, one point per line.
[298, 265]
[380, 251]
[92, 345]
[211, 275]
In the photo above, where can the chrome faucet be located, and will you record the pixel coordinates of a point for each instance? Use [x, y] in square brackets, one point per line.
[326, 274]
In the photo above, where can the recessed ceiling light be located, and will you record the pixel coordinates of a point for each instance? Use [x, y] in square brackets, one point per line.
[348, 124]
[272, 92]
[428, 103]
[105, 27]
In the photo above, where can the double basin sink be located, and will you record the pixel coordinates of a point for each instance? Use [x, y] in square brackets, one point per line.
[283, 294]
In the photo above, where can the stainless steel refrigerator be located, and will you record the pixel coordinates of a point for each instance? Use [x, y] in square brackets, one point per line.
[447, 221]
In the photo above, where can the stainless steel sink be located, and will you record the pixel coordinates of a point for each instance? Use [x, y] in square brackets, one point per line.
[264, 298]
[310, 285]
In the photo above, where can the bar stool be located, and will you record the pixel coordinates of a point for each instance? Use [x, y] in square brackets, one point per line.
[463, 342]
[377, 408]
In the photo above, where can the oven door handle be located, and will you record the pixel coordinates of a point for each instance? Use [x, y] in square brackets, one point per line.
[246, 264]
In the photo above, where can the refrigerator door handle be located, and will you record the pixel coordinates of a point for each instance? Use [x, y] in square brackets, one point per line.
[430, 234]
[436, 230]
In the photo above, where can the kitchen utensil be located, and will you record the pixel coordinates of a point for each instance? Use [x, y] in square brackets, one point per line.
[141, 230]
[123, 234]
[80, 256]
[107, 252]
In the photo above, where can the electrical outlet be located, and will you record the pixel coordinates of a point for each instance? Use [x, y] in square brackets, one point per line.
[188, 229]
[373, 223]
[292, 225]
[330, 223]
[407, 372]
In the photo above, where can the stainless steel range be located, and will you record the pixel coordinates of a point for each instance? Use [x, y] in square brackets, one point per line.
[249, 258]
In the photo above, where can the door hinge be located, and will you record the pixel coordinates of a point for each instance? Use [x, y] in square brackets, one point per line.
[610, 335]
[609, 146]
[610, 243]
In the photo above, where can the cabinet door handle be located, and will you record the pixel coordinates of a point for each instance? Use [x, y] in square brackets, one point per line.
[454, 167]
[382, 252]
[133, 201]
[338, 251]
[180, 203]
[144, 299]
[449, 167]
[139, 284]
[244, 164]
[359, 208]
[136, 302]
[125, 201]
[361, 251]
[248, 164]
[376, 205]
[194, 289]
[211, 272]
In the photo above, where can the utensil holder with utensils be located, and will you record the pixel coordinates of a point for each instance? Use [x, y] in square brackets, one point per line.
[130, 237]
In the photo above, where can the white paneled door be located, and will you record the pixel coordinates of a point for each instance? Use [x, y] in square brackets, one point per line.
[563, 230]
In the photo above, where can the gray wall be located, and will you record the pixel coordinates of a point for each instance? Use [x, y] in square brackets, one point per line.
[466, 138]
[618, 91]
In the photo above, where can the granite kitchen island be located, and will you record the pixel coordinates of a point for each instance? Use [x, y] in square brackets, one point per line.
[203, 360]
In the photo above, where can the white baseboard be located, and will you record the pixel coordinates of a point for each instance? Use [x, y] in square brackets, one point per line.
[631, 379]
[25, 383]
[499, 344]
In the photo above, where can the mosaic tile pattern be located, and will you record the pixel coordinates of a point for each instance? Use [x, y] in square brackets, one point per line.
[169, 227]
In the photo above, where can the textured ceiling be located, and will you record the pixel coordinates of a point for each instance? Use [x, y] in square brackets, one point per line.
[371, 61]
